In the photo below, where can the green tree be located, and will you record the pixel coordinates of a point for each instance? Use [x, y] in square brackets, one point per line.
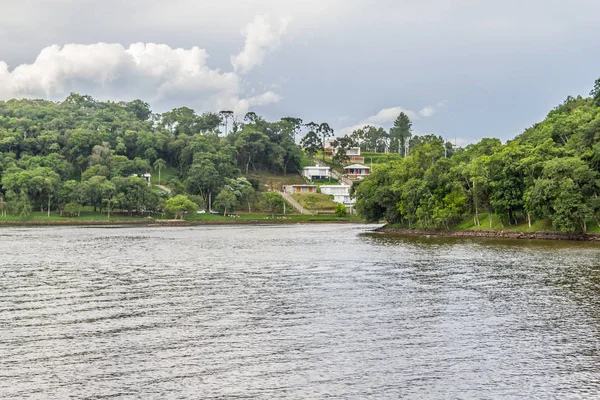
[595, 93]
[400, 133]
[225, 200]
[340, 210]
[159, 165]
[311, 143]
[178, 206]
[273, 202]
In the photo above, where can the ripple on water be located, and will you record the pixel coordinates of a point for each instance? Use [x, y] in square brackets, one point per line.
[294, 312]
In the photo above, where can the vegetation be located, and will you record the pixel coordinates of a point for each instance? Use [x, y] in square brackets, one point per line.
[549, 173]
[315, 201]
[82, 153]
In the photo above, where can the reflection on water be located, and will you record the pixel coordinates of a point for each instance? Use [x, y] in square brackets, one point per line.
[323, 311]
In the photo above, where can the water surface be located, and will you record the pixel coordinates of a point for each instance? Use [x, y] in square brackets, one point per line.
[294, 312]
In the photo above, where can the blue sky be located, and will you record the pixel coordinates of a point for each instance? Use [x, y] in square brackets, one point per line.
[462, 69]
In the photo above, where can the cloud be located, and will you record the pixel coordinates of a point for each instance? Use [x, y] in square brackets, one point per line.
[385, 118]
[154, 72]
[388, 115]
[261, 38]
[427, 112]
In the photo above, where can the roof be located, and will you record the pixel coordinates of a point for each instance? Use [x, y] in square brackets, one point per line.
[303, 185]
[316, 166]
[357, 166]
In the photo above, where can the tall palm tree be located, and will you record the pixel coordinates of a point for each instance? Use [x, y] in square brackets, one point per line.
[159, 164]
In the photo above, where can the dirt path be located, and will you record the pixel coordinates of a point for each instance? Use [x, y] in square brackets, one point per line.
[166, 189]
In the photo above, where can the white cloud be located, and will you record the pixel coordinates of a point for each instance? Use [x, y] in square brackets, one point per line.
[153, 72]
[261, 38]
[386, 117]
[389, 115]
[427, 112]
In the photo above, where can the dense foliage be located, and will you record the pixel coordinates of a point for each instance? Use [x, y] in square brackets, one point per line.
[83, 152]
[548, 172]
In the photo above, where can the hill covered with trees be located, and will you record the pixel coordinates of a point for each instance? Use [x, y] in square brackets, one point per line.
[550, 172]
[62, 156]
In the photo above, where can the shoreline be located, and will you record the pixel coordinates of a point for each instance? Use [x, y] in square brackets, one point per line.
[490, 234]
[169, 223]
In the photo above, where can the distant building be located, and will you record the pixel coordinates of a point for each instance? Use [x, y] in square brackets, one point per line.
[340, 193]
[353, 154]
[357, 171]
[300, 188]
[146, 176]
[316, 172]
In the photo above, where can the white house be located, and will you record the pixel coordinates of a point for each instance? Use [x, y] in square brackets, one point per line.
[300, 188]
[357, 171]
[146, 176]
[340, 193]
[316, 172]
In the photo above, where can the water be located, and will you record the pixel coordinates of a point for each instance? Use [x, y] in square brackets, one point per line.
[294, 312]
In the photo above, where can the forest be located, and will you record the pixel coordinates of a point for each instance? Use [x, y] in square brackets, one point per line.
[81, 152]
[547, 173]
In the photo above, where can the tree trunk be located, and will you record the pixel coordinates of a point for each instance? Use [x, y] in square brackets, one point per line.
[49, 206]
[249, 210]
[529, 219]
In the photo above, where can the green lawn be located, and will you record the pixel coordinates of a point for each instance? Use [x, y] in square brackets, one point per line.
[91, 217]
[272, 181]
[86, 215]
[320, 182]
[165, 174]
[322, 202]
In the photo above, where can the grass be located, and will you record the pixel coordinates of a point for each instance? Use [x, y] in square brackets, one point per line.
[380, 158]
[322, 202]
[86, 215]
[266, 217]
[320, 182]
[272, 181]
[90, 217]
[522, 226]
[165, 175]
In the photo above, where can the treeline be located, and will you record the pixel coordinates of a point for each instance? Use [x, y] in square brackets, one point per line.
[549, 172]
[83, 152]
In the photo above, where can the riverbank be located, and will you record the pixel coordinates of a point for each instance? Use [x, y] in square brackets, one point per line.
[491, 234]
[206, 219]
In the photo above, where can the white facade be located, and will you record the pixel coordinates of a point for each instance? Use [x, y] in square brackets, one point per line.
[353, 151]
[340, 193]
[316, 172]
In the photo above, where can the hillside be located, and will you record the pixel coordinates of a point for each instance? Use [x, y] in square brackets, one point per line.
[546, 177]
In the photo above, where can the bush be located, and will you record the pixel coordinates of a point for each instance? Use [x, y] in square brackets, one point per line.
[340, 210]
[72, 210]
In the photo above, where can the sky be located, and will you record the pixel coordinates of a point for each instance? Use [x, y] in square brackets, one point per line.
[462, 69]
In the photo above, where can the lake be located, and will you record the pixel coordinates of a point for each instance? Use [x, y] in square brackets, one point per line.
[294, 312]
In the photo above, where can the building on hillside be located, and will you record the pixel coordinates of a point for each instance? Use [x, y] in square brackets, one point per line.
[146, 176]
[300, 188]
[353, 154]
[340, 193]
[316, 172]
[328, 147]
[357, 171]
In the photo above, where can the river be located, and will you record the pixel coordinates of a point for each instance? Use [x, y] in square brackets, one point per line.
[294, 312]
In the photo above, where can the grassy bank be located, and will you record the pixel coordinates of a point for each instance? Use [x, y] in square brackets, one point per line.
[540, 229]
[94, 218]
